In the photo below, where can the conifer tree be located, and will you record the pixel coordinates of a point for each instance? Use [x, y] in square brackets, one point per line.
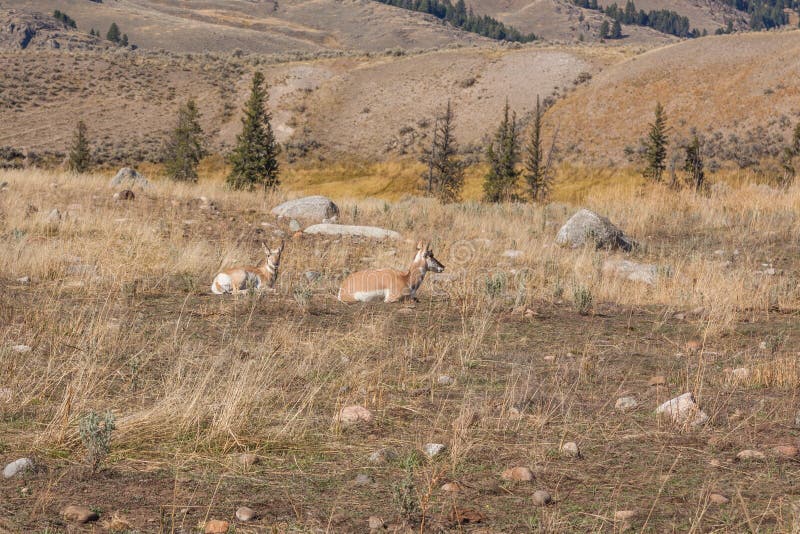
[694, 164]
[502, 155]
[616, 30]
[537, 168]
[113, 33]
[656, 145]
[79, 155]
[604, 30]
[184, 149]
[124, 40]
[254, 159]
[445, 175]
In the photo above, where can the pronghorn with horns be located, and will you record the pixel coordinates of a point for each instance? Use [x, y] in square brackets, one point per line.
[390, 285]
[263, 275]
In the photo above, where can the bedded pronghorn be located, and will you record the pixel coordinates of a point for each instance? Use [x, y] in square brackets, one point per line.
[263, 275]
[390, 285]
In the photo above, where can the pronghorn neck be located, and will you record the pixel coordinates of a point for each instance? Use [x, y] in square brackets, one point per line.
[270, 272]
[416, 274]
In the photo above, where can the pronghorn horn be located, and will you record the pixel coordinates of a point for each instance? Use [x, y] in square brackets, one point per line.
[283, 242]
[267, 251]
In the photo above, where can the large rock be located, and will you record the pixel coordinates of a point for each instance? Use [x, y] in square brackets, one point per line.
[683, 410]
[631, 271]
[315, 208]
[587, 227]
[17, 466]
[129, 178]
[352, 231]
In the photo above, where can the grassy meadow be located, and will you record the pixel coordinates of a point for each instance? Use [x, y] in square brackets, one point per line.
[506, 357]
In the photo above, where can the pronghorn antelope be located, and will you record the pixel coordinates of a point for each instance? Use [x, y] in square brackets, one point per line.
[390, 285]
[238, 279]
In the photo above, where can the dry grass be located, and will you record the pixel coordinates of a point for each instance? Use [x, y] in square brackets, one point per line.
[119, 316]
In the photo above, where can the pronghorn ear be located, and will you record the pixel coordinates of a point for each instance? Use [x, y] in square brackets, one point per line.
[420, 245]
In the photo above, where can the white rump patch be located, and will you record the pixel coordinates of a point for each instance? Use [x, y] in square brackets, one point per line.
[223, 282]
[371, 296]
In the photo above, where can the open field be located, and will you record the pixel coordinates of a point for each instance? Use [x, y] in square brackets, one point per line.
[118, 316]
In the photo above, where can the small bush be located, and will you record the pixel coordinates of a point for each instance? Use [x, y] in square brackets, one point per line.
[582, 298]
[496, 284]
[95, 432]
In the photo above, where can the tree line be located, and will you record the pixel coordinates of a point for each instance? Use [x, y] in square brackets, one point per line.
[764, 14]
[663, 20]
[462, 17]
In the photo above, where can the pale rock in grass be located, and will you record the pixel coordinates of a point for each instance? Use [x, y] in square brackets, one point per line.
[248, 459]
[740, 373]
[683, 410]
[372, 232]
[78, 514]
[718, 499]
[312, 276]
[570, 450]
[17, 466]
[624, 515]
[451, 487]
[444, 380]
[750, 455]
[432, 450]
[363, 480]
[625, 404]
[130, 178]
[216, 526]
[542, 498]
[585, 226]
[21, 349]
[631, 271]
[245, 513]
[376, 523]
[314, 207]
[350, 415]
[518, 474]
[25, 280]
[6, 394]
[382, 456]
[513, 254]
[294, 226]
[53, 217]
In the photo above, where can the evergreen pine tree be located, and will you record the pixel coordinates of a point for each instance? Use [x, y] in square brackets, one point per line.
[254, 159]
[445, 175]
[502, 154]
[656, 145]
[124, 40]
[184, 149]
[694, 164]
[79, 155]
[113, 33]
[616, 30]
[537, 169]
[604, 30]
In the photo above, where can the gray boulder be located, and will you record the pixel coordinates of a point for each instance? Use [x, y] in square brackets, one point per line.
[315, 208]
[129, 178]
[352, 231]
[631, 271]
[17, 466]
[587, 226]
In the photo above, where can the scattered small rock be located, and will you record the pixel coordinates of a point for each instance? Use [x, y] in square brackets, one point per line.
[432, 450]
[749, 454]
[6, 395]
[542, 498]
[513, 254]
[125, 194]
[22, 349]
[624, 515]
[216, 526]
[683, 410]
[79, 514]
[631, 271]
[444, 380]
[376, 523]
[382, 456]
[657, 380]
[354, 414]
[718, 498]
[17, 466]
[518, 474]
[571, 450]
[740, 373]
[294, 226]
[244, 513]
[786, 451]
[625, 404]
[693, 345]
[248, 459]
[25, 280]
[364, 480]
[54, 217]
[312, 276]
[451, 487]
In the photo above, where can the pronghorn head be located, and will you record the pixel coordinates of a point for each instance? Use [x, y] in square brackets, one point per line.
[273, 258]
[425, 256]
